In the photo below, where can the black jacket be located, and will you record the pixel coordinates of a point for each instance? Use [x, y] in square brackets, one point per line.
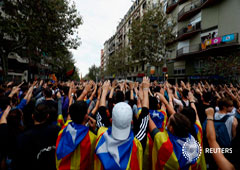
[36, 148]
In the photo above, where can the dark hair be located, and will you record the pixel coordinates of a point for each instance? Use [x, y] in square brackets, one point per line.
[48, 92]
[14, 119]
[225, 102]
[153, 103]
[190, 113]
[78, 111]
[65, 90]
[156, 89]
[119, 96]
[127, 95]
[2, 91]
[207, 96]
[41, 112]
[181, 125]
[185, 93]
[4, 102]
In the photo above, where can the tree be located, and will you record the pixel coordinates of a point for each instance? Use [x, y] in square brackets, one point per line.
[118, 63]
[37, 27]
[93, 73]
[226, 65]
[149, 36]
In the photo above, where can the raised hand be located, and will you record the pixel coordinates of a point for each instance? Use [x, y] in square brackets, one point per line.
[92, 123]
[131, 85]
[106, 86]
[209, 112]
[114, 84]
[145, 83]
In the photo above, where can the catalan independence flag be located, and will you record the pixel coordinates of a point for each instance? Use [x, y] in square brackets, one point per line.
[168, 152]
[160, 119]
[75, 147]
[112, 154]
[201, 162]
[60, 120]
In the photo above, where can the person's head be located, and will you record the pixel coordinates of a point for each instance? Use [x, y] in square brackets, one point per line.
[47, 92]
[121, 121]
[153, 103]
[127, 95]
[65, 90]
[206, 97]
[14, 118]
[78, 112]
[225, 104]
[185, 93]
[2, 91]
[4, 102]
[190, 113]
[179, 125]
[119, 96]
[41, 113]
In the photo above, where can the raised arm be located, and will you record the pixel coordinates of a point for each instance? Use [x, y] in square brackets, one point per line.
[93, 93]
[85, 92]
[219, 158]
[98, 101]
[114, 85]
[165, 102]
[145, 87]
[105, 89]
[3, 119]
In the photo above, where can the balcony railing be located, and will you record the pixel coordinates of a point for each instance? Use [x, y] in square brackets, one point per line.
[171, 5]
[193, 8]
[188, 31]
[218, 42]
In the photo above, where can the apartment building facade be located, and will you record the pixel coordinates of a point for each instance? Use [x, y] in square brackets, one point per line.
[120, 39]
[204, 28]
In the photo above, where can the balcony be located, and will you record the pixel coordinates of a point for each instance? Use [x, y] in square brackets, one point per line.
[193, 8]
[171, 5]
[188, 31]
[213, 45]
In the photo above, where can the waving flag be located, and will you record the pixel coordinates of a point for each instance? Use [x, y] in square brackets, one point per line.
[168, 152]
[70, 72]
[113, 154]
[75, 147]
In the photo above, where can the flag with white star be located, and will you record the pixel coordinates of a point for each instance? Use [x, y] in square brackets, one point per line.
[114, 154]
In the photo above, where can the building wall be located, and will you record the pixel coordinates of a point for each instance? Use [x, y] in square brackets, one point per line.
[229, 17]
[223, 16]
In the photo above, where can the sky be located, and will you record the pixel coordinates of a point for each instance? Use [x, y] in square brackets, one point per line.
[100, 19]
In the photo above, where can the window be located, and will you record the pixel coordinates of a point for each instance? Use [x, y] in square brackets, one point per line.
[179, 71]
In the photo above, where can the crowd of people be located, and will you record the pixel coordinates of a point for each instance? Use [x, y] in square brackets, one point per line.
[119, 125]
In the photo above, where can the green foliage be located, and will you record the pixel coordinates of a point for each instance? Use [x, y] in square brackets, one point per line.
[149, 35]
[93, 73]
[118, 62]
[39, 26]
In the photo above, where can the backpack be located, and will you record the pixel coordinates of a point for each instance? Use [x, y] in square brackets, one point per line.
[184, 104]
[222, 136]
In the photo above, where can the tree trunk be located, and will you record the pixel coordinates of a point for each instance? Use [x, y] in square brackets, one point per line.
[5, 66]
